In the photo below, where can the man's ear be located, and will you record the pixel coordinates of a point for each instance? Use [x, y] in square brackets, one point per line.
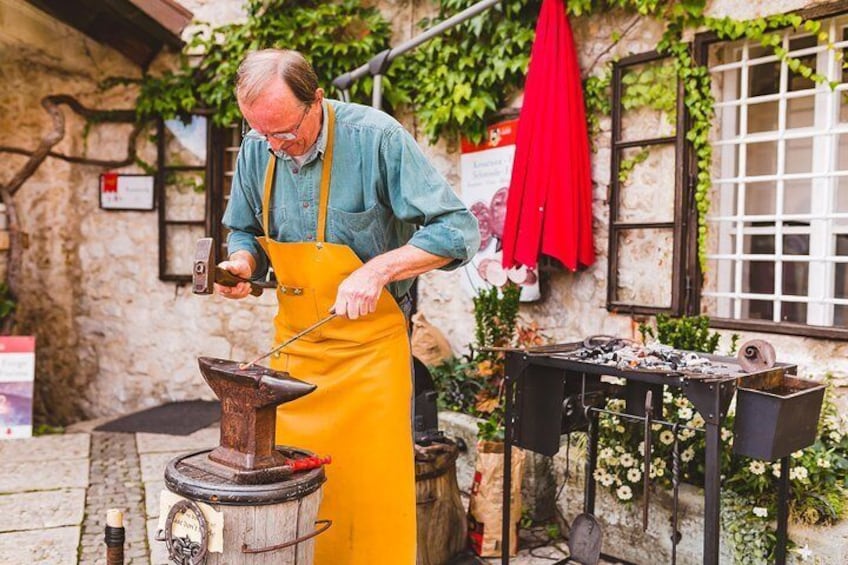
[319, 95]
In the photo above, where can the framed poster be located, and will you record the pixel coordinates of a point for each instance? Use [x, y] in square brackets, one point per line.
[486, 170]
[126, 192]
[17, 373]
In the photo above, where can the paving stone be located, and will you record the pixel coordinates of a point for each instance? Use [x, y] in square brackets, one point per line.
[206, 438]
[153, 465]
[158, 551]
[42, 509]
[45, 448]
[151, 497]
[22, 476]
[54, 546]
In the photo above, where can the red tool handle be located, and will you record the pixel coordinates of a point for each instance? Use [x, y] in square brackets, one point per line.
[307, 463]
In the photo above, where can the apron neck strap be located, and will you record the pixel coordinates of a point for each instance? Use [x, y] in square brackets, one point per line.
[324, 189]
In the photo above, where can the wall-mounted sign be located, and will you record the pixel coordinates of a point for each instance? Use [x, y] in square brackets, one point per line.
[17, 372]
[126, 192]
[486, 171]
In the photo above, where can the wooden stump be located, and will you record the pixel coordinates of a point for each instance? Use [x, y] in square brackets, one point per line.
[268, 525]
[441, 518]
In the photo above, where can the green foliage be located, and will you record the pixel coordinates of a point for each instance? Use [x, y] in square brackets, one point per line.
[335, 36]
[7, 302]
[690, 333]
[627, 165]
[458, 385]
[458, 80]
[495, 315]
[596, 99]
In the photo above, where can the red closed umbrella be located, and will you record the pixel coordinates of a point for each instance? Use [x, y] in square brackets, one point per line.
[549, 209]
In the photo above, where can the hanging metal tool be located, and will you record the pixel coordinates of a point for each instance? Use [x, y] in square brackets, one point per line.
[646, 470]
[290, 340]
[675, 484]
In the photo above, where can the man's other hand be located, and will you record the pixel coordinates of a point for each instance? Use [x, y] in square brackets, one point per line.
[240, 267]
[358, 294]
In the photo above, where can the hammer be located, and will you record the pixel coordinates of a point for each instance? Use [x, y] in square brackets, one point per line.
[206, 272]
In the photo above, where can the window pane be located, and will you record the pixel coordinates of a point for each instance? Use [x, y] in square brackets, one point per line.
[793, 312]
[761, 159]
[185, 143]
[842, 153]
[763, 78]
[796, 197]
[796, 244]
[644, 269]
[795, 278]
[646, 189]
[758, 309]
[840, 289]
[760, 198]
[648, 101]
[763, 117]
[180, 247]
[185, 198]
[796, 80]
[800, 112]
[799, 155]
[759, 244]
[758, 277]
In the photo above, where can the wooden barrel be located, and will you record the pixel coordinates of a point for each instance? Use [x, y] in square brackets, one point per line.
[251, 528]
[441, 517]
[264, 523]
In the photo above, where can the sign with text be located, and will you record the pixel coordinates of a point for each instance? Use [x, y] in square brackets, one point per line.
[17, 374]
[186, 525]
[126, 192]
[486, 172]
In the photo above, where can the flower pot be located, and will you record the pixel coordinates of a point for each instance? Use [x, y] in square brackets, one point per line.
[776, 414]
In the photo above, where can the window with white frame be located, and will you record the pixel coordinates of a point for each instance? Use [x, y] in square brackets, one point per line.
[778, 228]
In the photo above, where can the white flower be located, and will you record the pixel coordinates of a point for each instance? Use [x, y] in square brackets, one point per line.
[798, 454]
[681, 402]
[619, 449]
[667, 397]
[760, 511]
[641, 448]
[685, 413]
[656, 427]
[726, 434]
[633, 475]
[775, 469]
[619, 429]
[686, 433]
[659, 463]
[612, 461]
[624, 492]
[627, 460]
[757, 467]
[657, 471]
[607, 480]
[606, 453]
[666, 437]
[804, 552]
[823, 463]
[599, 473]
[698, 421]
[687, 454]
[835, 436]
[799, 473]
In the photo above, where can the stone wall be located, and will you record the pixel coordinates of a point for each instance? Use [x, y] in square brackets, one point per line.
[113, 338]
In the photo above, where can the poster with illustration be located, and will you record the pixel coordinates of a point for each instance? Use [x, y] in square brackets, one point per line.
[486, 169]
[17, 372]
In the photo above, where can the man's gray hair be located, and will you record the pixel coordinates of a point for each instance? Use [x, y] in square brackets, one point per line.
[259, 68]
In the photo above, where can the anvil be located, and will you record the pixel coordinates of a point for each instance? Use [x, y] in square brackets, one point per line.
[249, 399]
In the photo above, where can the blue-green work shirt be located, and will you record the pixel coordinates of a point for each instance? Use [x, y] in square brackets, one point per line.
[383, 194]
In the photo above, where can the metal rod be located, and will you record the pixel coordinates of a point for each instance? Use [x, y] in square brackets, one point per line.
[782, 512]
[293, 338]
[675, 497]
[646, 479]
[712, 488]
[377, 92]
[509, 386]
[345, 80]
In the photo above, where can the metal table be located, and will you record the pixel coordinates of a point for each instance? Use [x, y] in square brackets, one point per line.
[537, 381]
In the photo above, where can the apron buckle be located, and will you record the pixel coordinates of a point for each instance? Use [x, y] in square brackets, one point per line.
[295, 291]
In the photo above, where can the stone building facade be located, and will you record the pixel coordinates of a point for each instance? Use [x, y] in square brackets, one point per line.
[113, 337]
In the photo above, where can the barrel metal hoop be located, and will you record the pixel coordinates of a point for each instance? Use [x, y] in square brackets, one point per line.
[323, 525]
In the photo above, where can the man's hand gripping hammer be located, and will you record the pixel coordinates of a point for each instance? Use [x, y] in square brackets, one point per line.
[206, 272]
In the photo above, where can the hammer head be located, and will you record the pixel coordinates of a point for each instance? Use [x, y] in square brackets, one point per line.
[203, 274]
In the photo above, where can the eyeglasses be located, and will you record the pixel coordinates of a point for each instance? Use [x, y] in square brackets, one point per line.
[279, 135]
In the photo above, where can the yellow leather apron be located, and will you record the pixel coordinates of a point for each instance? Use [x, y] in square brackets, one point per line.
[360, 412]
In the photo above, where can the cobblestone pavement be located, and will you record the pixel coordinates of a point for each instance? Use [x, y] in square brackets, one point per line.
[55, 491]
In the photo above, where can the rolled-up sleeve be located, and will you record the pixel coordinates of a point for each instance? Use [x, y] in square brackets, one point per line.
[241, 215]
[420, 195]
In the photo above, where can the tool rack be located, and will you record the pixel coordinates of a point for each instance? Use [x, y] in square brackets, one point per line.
[539, 382]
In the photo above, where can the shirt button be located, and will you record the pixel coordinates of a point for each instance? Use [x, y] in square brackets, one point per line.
[309, 237]
[295, 170]
[306, 204]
